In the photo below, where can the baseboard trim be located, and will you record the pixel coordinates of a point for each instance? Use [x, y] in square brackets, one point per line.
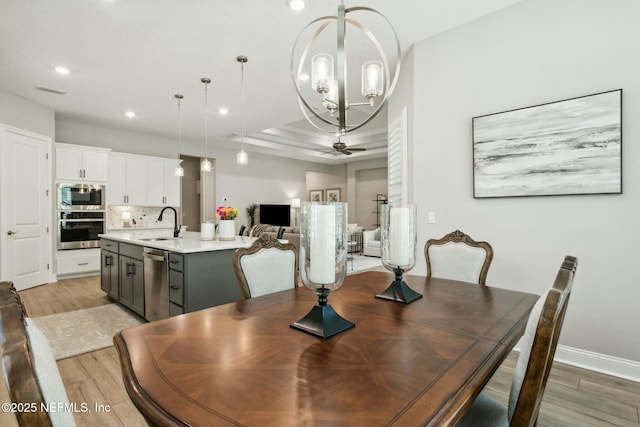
[605, 364]
[597, 362]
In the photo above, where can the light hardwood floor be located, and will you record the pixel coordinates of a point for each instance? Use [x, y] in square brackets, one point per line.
[574, 396]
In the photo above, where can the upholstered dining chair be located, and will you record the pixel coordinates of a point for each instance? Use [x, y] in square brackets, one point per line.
[457, 256]
[265, 267]
[538, 346]
[29, 368]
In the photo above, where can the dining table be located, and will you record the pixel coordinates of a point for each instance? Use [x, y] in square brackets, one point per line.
[242, 364]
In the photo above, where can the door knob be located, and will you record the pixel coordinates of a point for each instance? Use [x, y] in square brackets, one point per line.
[10, 232]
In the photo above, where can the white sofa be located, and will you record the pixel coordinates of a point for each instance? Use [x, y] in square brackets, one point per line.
[371, 243]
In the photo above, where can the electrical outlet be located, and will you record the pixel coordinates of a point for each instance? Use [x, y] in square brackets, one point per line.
[431, 217]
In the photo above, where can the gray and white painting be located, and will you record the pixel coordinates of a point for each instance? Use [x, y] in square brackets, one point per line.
[565, 147]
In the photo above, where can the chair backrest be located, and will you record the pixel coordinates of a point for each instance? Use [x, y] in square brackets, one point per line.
[242, 228]
[457, 256]
[280, 233]
[265, 267]
[29, 367]
[539, 344]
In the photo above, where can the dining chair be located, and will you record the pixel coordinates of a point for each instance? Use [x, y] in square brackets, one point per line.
[538, 346]
[457, 256]
[241, 231]
[265, 267]
[29, 369]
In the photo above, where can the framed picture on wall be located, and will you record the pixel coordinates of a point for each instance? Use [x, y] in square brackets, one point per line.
[565, 147]
[316, 195]
[333, 194]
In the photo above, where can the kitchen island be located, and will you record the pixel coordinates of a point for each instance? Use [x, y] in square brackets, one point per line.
[158, 276]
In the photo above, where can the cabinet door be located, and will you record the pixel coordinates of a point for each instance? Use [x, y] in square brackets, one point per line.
[95, 165]
[137, 284]
[117, 181]
[68, 164]
[126, 281]
[137, 182]
[156, 176]
[109, 274]
[171, 184]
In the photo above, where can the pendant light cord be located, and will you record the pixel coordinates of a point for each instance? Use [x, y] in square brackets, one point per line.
[179, 127]
[206, 130]
[242, 104]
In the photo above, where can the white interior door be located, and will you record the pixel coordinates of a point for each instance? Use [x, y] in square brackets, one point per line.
[25, 212]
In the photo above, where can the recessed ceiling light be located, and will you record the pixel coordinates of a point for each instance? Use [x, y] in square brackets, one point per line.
[130, 114]
[62, 70]
[296, 4]
[223, 111]
[304, 77]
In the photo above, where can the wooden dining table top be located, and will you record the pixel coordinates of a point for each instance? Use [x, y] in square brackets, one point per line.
[241, 363]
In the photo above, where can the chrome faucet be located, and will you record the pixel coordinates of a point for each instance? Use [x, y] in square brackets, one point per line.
[176, 227]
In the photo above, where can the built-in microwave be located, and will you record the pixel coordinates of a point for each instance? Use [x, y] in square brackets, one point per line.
[81, 197]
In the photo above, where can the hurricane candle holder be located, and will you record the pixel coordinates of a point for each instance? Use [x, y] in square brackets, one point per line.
[323, 264]
[398, 242]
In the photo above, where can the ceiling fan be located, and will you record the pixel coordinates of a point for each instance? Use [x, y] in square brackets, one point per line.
[342, 148]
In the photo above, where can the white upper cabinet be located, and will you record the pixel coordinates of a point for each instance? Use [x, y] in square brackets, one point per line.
[142, 181]
[164, 185]
[127, 184]
[79, 163]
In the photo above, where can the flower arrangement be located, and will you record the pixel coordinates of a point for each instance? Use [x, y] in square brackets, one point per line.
[226, 212]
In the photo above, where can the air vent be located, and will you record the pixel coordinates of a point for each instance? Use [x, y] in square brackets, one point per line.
[48, 89]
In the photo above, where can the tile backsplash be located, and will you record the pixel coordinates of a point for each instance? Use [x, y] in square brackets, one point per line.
[141, 217]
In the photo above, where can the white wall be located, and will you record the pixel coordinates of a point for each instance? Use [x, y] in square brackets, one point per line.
[369, 183]
[24, 114]
[359, 201]
[534, 52]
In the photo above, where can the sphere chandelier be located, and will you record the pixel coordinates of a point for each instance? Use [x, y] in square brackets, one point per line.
[326, 103]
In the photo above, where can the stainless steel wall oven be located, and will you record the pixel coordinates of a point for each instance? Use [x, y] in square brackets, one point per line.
[80, 229]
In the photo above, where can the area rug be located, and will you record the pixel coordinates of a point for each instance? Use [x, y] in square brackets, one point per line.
[358, 263]
[81, 331]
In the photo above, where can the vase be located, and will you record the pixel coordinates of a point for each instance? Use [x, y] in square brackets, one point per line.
[227, 229]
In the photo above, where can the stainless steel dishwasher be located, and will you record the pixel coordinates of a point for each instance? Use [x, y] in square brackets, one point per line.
[156, 284]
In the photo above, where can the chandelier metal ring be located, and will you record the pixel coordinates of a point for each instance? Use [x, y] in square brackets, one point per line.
[342, 105]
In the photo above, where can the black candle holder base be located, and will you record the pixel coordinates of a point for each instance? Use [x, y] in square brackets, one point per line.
[323, 321]
[399, 291]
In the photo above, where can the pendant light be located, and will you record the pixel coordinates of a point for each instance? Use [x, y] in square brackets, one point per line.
[205, 166]
[179, 171]
[242, 158]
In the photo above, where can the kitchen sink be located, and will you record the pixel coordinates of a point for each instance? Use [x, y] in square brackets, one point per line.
[155, 239]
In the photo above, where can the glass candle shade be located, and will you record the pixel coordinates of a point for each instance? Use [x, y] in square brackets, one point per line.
[398, 240]
[323, 252]
[323, 264]
[399, 236]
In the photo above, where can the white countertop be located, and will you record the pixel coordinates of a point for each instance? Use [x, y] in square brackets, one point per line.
[190, 243]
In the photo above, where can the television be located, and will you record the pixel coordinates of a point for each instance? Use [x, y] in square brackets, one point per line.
[275, 215]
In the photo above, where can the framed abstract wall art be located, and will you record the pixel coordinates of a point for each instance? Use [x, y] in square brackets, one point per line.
[566, 147]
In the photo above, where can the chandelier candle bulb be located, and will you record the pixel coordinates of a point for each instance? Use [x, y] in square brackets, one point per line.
[322, 252]
[321, 72]
[372, 78]
[399, 235]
